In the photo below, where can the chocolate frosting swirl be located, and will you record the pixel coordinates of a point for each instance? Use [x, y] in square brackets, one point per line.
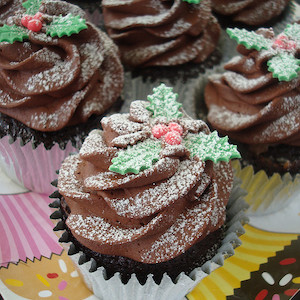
[152, 216]
[8, 8]
[250, 12]
[50, 83]
[249, 105]
[161, 33]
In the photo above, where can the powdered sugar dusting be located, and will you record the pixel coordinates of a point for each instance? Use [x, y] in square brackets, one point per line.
[243, 84]
[176, 239]
[286, 125]
[227, 118]
[160, 195]
[68, 184]
[103, 181]
[121, 124]
[97, 229]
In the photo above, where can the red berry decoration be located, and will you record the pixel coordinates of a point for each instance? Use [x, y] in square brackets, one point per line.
[35, 25]
[291, 45]
[38, 16]
[159, 130]
[283, 42]
[175, 127]
[25, 19]
[173, 138]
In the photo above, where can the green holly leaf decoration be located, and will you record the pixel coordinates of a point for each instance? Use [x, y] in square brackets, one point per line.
[32, 6]
[66, 25]
[293, 31]
[211, 147]
[163, 103]
[13, 33]
[136, 158]
[193, 1]
[284, 66]
[249, 39]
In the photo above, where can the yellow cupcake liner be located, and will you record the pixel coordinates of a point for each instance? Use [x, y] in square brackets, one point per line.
[266, 195]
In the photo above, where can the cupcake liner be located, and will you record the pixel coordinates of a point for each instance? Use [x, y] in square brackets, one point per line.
[267, 195]
[32, 168]
[113, 288]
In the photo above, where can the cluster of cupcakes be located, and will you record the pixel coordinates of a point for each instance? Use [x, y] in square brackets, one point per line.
[148, 200]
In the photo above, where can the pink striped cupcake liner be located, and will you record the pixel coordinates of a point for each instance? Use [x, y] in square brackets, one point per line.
[25, 228]
[32, 168]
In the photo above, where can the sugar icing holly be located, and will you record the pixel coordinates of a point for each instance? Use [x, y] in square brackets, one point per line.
[284, 64]
[32, 20]
[143, 155]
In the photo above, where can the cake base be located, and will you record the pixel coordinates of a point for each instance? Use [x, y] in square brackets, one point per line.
[194, 257]
[278, 159]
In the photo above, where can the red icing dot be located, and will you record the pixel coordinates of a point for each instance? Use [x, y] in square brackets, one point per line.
[283, 42]
[261, 295]
[282, 37]
[52, 275]
[38, 16]
[175, 127]
[34, 25]
[291, 45]
[290, 292]
[173, 138]
[25, 19]
[159, 130]
[287, 261]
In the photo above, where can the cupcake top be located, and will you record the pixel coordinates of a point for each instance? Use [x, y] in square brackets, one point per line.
[250, 12]
[256, 100]
[56, 68]
[149, 185]
[161, 33]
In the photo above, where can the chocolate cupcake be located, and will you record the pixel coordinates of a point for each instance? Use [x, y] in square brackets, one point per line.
[144, 201]
[163, 39]
[256, 100]
[55, 80]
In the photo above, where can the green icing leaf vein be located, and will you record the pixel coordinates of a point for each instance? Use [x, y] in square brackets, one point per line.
[66, 25]
[284, 66]
[136, 158]
[249, 39]
[163, 103]
[12, 34]
[211, 147]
